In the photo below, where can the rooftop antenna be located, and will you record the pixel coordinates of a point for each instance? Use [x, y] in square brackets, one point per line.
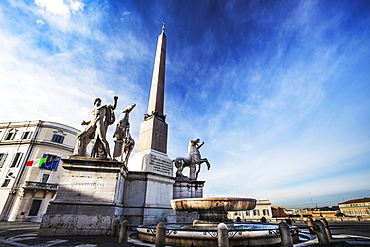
[311, 199]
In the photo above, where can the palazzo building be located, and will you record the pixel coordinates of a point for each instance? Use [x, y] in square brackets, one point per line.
[30, 166]
[262, 209]
[356, 207]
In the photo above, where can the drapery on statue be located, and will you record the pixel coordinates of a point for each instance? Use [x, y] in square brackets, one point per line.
[102, 117]
[122, 134]
[193, 161]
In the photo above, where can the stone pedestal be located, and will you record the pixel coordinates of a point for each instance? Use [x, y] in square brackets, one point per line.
[88, 200]
[186, 188]
[147, 198]
[151, 161]
[149, 189]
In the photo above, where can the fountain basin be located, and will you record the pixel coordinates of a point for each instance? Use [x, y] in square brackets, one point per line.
[240, 234]
[213, 204]
[213, 211]
[203, 231]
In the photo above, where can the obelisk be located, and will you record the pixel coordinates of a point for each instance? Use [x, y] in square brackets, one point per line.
[152, 145]
[150, 170]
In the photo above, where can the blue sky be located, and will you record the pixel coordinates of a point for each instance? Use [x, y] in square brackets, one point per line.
[278, 90]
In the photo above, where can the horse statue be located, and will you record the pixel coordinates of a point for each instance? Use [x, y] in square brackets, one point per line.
[122, 134]
[193, 161]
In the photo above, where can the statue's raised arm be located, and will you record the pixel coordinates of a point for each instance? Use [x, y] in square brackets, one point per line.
[102, 117]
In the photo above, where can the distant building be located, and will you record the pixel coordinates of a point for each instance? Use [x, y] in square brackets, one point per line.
[319, 212]
[356, 207]
[30, 166]
[278, 212]
[262, 209]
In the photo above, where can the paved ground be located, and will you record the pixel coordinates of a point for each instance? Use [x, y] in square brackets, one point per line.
[344, 234]
[360, 228]
[24, 234]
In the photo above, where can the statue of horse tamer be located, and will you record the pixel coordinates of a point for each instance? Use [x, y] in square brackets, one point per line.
[193, 161]
[124, 143]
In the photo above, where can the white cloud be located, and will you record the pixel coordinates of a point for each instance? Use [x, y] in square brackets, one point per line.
[59, 14]
[55, 7]
[76, 6]
[124, 14]
[60, 7]
[40, 22]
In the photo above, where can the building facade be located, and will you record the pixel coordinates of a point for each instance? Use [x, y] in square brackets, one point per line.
[262, 209]
[278, 212]
[31, 166]
[356, 207]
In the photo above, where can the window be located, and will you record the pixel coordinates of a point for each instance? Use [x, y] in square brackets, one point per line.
[9, 136]
[2, 159]
[57, 138]
[35, 207]
[16, 159]
[5, 183]
[256, 212]
[265, 212]
[247, 213]
[26, 135]
[45, 178]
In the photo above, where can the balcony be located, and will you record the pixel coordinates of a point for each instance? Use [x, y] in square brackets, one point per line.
[40, 186]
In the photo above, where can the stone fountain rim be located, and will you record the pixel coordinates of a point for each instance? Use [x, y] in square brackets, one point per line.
[216, 199]
[213, 204]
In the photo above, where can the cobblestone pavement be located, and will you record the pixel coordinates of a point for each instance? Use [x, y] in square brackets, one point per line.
[24, 234]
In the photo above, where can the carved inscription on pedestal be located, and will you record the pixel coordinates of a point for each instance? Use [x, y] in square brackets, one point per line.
[161, 165]
[86, 184]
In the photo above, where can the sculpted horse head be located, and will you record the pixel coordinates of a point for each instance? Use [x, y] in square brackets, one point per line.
[193, 145]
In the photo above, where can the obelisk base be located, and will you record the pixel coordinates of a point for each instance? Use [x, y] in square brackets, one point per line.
[147, 199]
[151, 179]
[151, 161]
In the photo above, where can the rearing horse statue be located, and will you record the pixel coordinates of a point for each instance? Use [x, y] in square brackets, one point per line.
[193, 161]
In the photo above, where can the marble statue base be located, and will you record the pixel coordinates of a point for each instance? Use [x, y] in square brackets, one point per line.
[88, 200]
[187, 188]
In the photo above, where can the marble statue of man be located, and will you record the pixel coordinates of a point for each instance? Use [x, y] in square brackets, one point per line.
[102, 117]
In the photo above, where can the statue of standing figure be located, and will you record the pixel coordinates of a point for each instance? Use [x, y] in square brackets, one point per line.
[193, 161]
[102, 117]
[122, 134]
